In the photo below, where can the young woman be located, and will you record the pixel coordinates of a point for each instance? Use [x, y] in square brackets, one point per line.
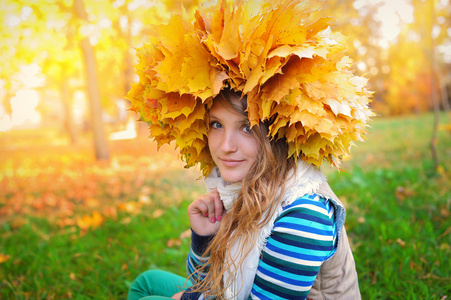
[269, 227]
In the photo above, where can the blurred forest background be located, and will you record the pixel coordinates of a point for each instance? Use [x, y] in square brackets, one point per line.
[83, 191]
[70, 63]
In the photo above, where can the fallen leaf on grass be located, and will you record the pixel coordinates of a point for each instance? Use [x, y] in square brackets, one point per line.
[88, 221]
[17, 222]
[18, 281]
[110, 211]
[144, 199]
[400, 242]
[72, 276]
[126, 220]
[444, 246]
[401, 193]
[38, 203]
[444, 127]
[157, 213]
[446, 232]
[145, 190]
[441, 170]
[174, 242]
[50, 199]
[130, 207]
[92, 202]
[3, 258]
[66, 222]
[185, 234]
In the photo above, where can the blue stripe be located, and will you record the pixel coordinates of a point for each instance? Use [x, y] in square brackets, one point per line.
[193, 258]
[321, 255]
[268, 289]
[260, 295]
[308, 246]
[287, 279]
[293, 254]
[297, 226]
[302, 204]
[306, 216]
[305, 199]
[302, 270]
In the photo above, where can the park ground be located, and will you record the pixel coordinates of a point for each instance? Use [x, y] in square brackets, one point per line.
[72, 227]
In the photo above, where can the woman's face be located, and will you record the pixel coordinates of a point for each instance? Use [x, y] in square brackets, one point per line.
[232, 144]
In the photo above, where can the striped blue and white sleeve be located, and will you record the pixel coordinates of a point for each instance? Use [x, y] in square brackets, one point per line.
[195, 262]
[303, 237]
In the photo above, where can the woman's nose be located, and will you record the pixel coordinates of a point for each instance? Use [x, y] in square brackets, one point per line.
[229, 143]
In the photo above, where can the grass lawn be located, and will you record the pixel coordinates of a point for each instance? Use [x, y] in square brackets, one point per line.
[71, 227]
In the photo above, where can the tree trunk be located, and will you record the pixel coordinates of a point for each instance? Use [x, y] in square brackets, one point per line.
[69, 124]
[128, 63]
[444, 93]
[435, 103]
[100, 143]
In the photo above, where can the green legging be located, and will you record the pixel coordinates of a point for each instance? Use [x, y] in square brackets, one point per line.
[156, 285]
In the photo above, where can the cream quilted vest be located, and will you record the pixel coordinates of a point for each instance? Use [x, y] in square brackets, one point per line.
[337, 277]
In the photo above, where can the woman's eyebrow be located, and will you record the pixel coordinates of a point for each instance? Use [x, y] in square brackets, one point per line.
[213, 116]
[242, 120]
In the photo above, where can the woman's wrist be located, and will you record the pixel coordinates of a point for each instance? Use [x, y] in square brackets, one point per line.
[199, 243]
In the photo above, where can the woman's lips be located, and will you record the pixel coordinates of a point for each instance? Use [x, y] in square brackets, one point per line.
[231, 162]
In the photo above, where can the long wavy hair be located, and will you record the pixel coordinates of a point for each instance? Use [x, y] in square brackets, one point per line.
[260, 194]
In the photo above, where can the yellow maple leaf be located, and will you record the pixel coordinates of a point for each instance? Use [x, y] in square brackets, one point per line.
[3, 258]
[228, 45]
[174, 105]
[282, 54]
[88, 221]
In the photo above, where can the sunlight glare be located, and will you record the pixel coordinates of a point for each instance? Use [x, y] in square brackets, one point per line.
[144, 3]
[118, 3]
[79, 106]
[12, 20]
[26, 12]
[128, 134]
[23, 110]
[105, 23]
[445, 50]
[361, 66]
[30, 76]
[391, 13]
[436, 30]
[5, 120]
[442, 4]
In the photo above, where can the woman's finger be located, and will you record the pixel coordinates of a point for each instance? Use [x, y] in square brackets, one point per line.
[219, 208]
[198, 207]
[214, 206]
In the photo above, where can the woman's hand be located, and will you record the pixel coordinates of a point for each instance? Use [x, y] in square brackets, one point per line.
[177, 296]
[205, 213]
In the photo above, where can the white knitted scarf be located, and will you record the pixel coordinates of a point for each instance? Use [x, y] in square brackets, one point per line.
[306, 180]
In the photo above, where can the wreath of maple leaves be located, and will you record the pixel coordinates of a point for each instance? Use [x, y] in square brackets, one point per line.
[281, 54]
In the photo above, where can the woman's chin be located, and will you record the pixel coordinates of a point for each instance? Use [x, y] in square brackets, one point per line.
[231, 176]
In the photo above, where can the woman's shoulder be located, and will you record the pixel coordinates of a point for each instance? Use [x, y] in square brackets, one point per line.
[309, 219]
[309, 204]
[309, 200]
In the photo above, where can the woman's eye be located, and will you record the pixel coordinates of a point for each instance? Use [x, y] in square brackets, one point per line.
[247, 129]
[215, 125]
